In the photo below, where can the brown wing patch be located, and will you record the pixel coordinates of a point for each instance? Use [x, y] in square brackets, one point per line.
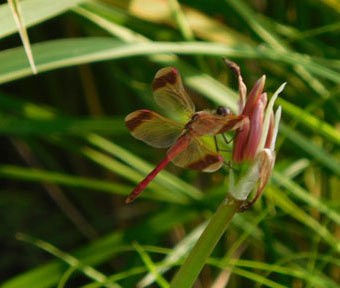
[233, 124]
[169, 93]
[199, 156]
[133, 120]
[208, 161]
[169, 77]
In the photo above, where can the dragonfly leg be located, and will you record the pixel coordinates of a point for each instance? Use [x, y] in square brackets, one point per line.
[218, 148]
[226, 139]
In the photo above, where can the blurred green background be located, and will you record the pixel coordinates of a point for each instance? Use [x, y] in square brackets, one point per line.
[68, 161]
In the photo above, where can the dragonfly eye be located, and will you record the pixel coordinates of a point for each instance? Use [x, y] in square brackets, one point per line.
[223, 111]
[194, 117]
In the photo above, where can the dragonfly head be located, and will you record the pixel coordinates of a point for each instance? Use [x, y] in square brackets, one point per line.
[223, 111]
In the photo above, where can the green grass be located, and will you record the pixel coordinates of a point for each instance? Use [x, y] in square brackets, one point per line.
[64, 142]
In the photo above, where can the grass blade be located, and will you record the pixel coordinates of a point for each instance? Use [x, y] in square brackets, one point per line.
[151, 266]
[310, 121]
[61, 125]
[36, 175]
[273, 40]
[64, 53]
[36, 11]
[19, 21]
[176, 254]
[295, 211]
[319, 154]
[69, 259]
[167, 179]
[308, 198]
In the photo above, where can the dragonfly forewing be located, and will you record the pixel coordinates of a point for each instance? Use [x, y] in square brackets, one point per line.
[169, 93]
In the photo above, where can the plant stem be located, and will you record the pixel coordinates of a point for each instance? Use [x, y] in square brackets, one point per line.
[189, 271]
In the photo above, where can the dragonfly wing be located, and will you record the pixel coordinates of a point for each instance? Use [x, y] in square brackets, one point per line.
[170, 94]
[153, 129]
[211, 124]
[199, 156]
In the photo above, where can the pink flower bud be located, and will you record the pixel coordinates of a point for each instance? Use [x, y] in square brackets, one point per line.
[240, 142]
[248, 138]
[253, 96]
[256, 125]
[255, 140]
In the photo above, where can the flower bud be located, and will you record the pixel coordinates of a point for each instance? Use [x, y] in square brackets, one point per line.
[255, 140]
[255, 131]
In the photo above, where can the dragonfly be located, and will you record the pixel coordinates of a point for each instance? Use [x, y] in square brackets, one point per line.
[187, 148]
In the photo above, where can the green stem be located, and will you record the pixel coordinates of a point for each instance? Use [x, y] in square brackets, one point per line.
[188, 273]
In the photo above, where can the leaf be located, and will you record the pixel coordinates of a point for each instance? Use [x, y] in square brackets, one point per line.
[27, 174]
[165, 178]
[101, 250]
[308, 198]
[176, 254]
[67, 258]
[61, 125]
[201, 24]
[68, 52]
[19, 21]
[295, 272]
[307, 119]
[150, 265]
[318, 153]
[296, 212]
[269, 36]
[35, 11]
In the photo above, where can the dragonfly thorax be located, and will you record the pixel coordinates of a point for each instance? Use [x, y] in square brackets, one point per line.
[201, 124]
